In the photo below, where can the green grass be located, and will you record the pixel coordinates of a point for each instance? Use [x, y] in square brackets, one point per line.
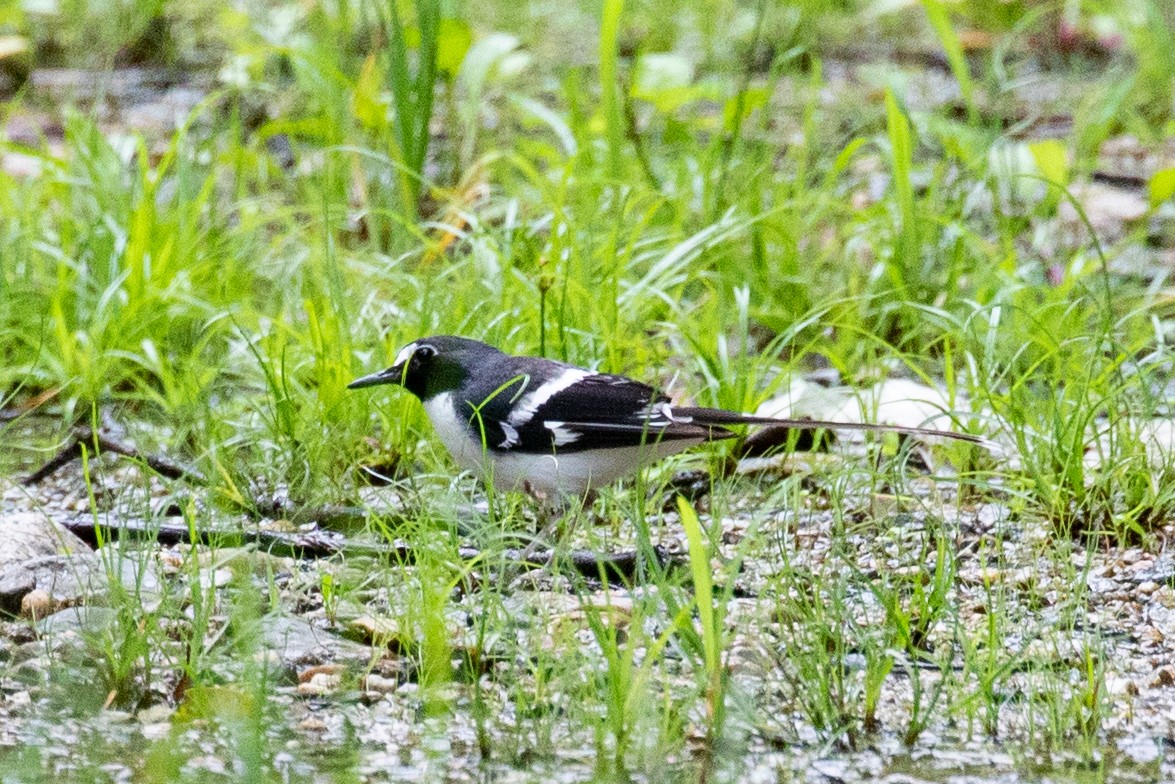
[689, 195]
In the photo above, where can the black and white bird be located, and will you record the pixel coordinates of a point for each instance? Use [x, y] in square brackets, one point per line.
[553, 429]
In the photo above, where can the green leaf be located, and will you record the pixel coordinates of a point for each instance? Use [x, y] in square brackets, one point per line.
[540, 111]
[482, 59]
[740, 106]
[369, 108]
[492, 57]
[845, 157]
[699, 561]
[939, 18]
[902, 162]
[969, 144]
[1052, 160]
[610, 103]
[1161, 186]
[454, 37]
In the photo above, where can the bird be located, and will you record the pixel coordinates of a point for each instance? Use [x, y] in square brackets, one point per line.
[555, 430]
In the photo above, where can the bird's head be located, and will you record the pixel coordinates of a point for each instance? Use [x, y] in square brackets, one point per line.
[430, 366]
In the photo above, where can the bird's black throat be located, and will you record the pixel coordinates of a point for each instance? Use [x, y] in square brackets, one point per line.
[442, 375]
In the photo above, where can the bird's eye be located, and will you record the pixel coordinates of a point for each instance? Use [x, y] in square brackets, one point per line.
[425, 352]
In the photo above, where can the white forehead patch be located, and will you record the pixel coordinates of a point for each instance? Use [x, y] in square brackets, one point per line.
[405, 354]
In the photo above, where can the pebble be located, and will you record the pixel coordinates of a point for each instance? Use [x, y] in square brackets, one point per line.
[1100, 585]
[320, 684]
[36, 604]
[158, 713]
[1164, 677]
[1141, 750]
[1124, 629]
[380, 684]
[308, 674]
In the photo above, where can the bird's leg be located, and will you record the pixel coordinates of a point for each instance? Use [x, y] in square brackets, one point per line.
[556, 511]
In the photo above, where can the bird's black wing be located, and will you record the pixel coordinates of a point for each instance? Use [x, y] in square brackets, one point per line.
[558, 408]
[604, 411]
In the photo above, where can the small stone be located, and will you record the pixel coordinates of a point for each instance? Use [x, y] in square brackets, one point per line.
[1022, 578]
[985, 575]
[1100, 585]
[117, 716]
[170, 562]
[1164, 677]
[36, 605]
[1148, 587]
[209, 762]
[159, 713]
[370, 629]
[310, 673]
[157, 731]
[294, 642]
[1164, 597]
[913, 570]
[320, 684]
[20, 166]
[25, 536]
[1151, 637]
[215, 578]
[380, 684]
[81, 620]
[1141, 750]
[1110, 209]
[834, 769]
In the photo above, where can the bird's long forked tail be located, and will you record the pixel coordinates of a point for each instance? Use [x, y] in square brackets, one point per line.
[716, 417]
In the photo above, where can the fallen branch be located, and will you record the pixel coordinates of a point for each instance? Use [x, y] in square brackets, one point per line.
[610, 567]
[101, 440]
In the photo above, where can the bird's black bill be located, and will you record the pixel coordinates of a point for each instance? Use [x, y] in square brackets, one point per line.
[392, 375]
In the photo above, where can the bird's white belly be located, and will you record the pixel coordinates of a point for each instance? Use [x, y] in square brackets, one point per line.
[557, 474]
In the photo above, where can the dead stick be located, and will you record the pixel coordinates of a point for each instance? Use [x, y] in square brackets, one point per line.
[85, 437]
[612, 567]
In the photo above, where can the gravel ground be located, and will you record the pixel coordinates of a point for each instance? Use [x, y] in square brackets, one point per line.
[339, 701]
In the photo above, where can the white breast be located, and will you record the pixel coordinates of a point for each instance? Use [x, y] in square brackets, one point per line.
[454, 432]
[567, 474]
